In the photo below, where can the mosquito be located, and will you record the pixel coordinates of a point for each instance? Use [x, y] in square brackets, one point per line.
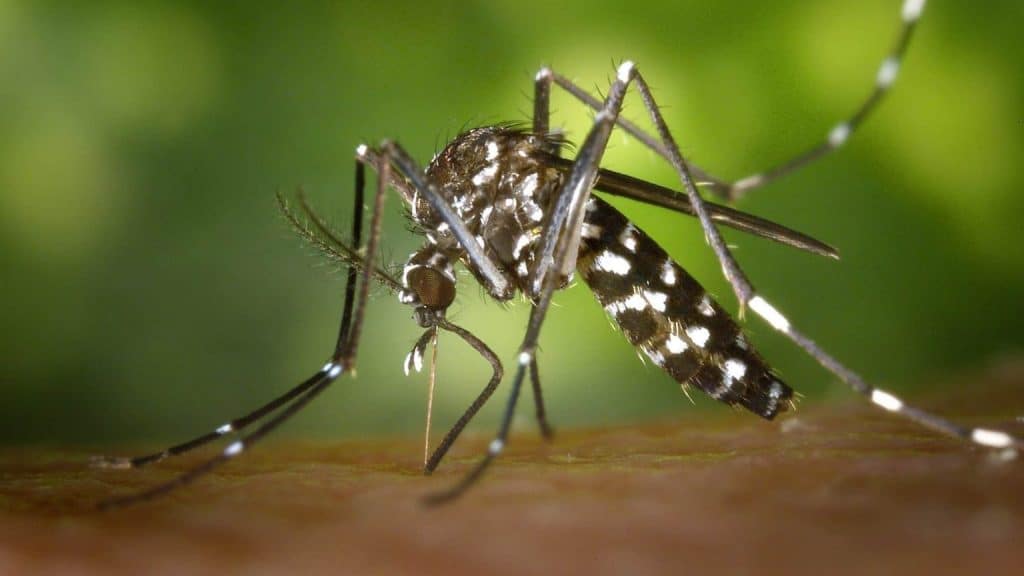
[503, 202]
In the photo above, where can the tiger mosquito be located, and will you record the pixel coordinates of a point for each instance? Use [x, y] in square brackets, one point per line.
[503, 202]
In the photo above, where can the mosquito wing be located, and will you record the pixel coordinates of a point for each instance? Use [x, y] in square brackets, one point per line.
[619, 184]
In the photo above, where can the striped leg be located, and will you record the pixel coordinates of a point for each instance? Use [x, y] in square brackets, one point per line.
[418, 184]
[748, 297]
[538, 400]
[558, 251]
[885, 400]
[887, 72]
[322, 380]
[327, 240]
[236, 425]
[342, 360]
[496, 374]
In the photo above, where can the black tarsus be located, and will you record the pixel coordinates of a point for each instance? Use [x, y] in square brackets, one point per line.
[342, 360]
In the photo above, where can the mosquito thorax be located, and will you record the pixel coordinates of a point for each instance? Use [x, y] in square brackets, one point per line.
[500, 182]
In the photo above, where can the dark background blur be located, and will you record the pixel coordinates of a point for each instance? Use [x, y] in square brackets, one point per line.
[151, 290]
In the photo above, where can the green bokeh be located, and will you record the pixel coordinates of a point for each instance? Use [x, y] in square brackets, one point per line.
[150, 288]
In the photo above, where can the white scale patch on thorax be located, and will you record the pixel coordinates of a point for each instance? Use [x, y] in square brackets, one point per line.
[529, 185]
[486, 175]
[533, 212]
[460, 203]
[492, 150]
[523, 241]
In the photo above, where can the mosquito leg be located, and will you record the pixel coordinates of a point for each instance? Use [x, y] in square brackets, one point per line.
[321, 381]
[415, 358]
[411, 182]
[342, 360]
[493, 450]
[542, 101]
[233, 426]
[888, 71]
[240, 423]
[635, 131]
[538, 400]
[747, 296]
[496, 374]
[887, 401]
[417, 185]
[559, 244]
[541, 125]
[733, 273]
[840, 133]
[348, 341]
[357, 233]
[563, 230]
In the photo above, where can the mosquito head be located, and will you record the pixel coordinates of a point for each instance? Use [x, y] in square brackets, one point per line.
[428, 284]
[434, 292]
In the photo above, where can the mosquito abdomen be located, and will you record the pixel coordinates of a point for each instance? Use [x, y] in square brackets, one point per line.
[665, 313]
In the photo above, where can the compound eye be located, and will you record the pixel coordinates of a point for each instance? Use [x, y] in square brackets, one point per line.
[435, 290]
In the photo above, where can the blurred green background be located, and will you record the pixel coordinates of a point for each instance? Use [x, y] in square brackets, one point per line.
[151, 289]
